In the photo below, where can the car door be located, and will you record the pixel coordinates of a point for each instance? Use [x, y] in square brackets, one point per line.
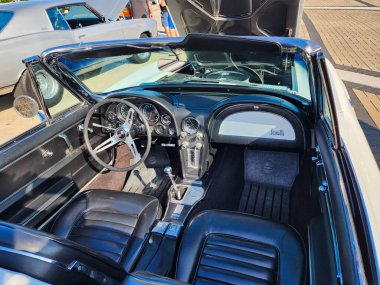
[89, 26]
[335, 189]
[42, 166]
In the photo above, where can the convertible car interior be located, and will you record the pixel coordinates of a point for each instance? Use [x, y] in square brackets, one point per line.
[198, 184]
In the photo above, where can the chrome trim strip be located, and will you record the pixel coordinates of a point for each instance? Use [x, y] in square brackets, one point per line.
[32, 255]
[324, 191]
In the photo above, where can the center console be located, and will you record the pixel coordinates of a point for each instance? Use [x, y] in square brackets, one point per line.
[193, 148]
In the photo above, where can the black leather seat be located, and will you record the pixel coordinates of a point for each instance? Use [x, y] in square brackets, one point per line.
[115, 224]
[220, 247]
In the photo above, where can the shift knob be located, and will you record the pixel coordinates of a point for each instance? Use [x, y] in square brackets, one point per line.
[168, 170]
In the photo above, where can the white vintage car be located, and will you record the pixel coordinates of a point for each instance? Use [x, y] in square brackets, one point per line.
[28, 28]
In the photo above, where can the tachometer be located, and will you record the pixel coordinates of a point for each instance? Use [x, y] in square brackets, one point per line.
[122, 112]
[150, 112]
[190, 125]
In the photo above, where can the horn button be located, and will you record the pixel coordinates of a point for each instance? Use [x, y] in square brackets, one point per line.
[121, 133]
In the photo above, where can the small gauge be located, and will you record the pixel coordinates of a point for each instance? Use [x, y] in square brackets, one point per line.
[190, 125]
[122, 112]
[166, 119]
[171, 132]
[111, 117]
[159, 129]
[150, 112]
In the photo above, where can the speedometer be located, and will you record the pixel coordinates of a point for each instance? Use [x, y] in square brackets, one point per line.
[190, 125]
[150, 112]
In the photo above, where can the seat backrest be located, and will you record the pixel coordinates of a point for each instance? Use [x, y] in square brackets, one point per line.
[52, 259]
[235, 248]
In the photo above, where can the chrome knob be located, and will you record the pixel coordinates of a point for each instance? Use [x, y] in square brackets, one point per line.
[168, 170]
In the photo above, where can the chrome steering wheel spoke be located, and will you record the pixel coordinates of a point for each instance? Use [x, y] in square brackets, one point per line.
[121, 134]
[129, 120]
[104, 127]
[132, 146]
[110, 142]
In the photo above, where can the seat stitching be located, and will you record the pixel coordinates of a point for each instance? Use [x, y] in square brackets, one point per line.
[213, 281]
[245, 251]
[89, 219]
[232, 237]
[111, 211]
[245, 239]
[98, 228]
[239, 261]
[233, 272]
[97, 238]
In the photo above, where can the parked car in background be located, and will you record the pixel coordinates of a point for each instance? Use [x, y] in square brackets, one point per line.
[28, 28]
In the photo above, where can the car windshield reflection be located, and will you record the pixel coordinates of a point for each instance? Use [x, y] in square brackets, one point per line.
[102, 75]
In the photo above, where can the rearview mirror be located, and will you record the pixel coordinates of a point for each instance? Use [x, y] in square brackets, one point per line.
[25, 106]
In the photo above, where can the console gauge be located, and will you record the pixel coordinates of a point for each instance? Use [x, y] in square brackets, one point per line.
[150, 112]
[159, 129]
[190, 125]
[166, 119]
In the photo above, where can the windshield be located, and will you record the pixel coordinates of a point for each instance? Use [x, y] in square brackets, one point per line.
[287, 72]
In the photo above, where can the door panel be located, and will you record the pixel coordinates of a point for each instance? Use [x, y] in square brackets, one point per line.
[52, 167]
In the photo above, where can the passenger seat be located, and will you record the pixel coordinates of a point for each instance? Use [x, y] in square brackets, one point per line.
[221, 247]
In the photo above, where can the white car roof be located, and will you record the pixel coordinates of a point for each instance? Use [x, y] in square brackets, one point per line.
[30, 17]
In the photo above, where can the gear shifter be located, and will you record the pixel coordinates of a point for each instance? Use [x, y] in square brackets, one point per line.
[168, 171]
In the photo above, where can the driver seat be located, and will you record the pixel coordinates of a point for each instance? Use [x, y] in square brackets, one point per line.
[96, 239]
[114, 224]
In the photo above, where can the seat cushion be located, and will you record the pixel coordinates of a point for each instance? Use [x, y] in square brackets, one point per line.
[222, 247]
[115, 224]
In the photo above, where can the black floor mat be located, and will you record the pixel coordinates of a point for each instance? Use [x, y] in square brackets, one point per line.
[266, 201]
[269, 177]
[225, 183]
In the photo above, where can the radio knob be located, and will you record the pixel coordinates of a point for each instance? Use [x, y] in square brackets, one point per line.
[199, 136]
[183, 135]
[185, 145]
[198, 145]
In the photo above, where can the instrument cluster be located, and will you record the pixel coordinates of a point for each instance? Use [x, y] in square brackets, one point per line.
[160, 123]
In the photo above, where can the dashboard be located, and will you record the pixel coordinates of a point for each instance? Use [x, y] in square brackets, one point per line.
[193, 122]
[159, 120]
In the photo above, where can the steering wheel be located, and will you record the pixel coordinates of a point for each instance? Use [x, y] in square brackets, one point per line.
[119, 135]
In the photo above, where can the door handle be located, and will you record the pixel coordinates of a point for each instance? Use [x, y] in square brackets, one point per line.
[81, 36]
[46, 153]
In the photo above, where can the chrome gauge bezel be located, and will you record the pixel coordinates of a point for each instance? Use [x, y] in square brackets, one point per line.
[141, 108]
[167, 121]
[159, 127]
[119, 112]
[185, 126]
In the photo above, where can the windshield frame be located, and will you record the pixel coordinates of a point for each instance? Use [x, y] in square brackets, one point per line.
[306, 49]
